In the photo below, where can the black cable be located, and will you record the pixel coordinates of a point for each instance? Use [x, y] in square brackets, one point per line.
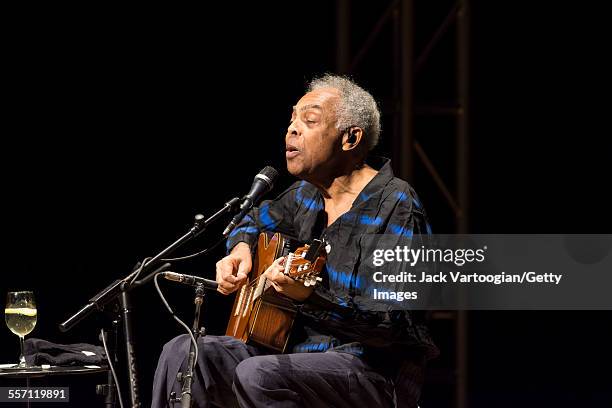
[139, 270]
[110, 364]
[165, 302]
[202, 252]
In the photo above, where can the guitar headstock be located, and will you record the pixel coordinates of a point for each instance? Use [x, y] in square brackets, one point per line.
[306, 263]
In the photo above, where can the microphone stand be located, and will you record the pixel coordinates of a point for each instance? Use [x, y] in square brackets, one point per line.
[186, 379]
[120, 289]
[108, 390]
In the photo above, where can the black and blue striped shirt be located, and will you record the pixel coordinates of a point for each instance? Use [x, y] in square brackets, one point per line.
[341, 314]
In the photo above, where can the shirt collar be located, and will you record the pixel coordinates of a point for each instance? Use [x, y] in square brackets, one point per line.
[376, 185]
[382, 178]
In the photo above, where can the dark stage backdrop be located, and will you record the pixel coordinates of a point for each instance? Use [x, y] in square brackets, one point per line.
[120, 125]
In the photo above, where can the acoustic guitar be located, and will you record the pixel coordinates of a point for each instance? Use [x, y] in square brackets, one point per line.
[260, 314]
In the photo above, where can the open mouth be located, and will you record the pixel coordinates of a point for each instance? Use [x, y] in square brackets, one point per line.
[291, 151]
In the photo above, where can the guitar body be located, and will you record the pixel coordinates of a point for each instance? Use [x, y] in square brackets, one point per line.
[261, 315]
[267, 319]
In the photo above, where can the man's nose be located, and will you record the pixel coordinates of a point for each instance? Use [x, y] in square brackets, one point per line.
[292, 130]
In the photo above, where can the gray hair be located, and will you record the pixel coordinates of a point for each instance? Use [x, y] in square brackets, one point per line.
[356, 107]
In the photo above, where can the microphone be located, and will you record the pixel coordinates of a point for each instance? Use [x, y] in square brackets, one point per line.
[190, 280]
[263, 182]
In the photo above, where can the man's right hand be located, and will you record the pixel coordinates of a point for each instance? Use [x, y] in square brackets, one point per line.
[232, 270]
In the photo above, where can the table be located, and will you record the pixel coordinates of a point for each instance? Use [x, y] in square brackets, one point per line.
[30, 372]
[78, 386]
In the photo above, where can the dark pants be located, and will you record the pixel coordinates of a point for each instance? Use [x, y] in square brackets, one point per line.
[230, 373]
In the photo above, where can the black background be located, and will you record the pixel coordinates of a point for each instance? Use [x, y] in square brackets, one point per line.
[119, 125]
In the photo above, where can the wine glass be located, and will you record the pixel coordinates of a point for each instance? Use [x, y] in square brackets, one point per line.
[20, 315]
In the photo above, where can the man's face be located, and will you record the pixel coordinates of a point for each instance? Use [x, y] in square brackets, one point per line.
[312, 138]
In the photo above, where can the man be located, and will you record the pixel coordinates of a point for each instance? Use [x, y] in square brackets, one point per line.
[354, 351]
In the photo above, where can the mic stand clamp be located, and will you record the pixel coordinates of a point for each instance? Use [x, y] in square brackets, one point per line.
[186, 378]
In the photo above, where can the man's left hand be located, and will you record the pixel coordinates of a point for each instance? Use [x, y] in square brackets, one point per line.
[284, 284]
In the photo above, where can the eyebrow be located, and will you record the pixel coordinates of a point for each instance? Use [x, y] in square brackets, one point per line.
[306, 107]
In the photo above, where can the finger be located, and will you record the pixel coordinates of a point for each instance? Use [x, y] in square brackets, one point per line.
[244, 267]
[272, 272]
[278, 266]
[279, 278]
[231, 279]
[225, 267]
[239, 278]
[230, 287]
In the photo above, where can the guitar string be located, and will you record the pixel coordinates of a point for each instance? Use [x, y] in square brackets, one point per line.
[255, 282]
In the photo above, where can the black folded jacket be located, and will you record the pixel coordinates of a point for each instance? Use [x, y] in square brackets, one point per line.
[38, 352]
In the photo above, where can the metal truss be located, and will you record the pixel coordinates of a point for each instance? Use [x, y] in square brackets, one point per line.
[400, 14]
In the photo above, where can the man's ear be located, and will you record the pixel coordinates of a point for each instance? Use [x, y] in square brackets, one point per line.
[352, 137]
